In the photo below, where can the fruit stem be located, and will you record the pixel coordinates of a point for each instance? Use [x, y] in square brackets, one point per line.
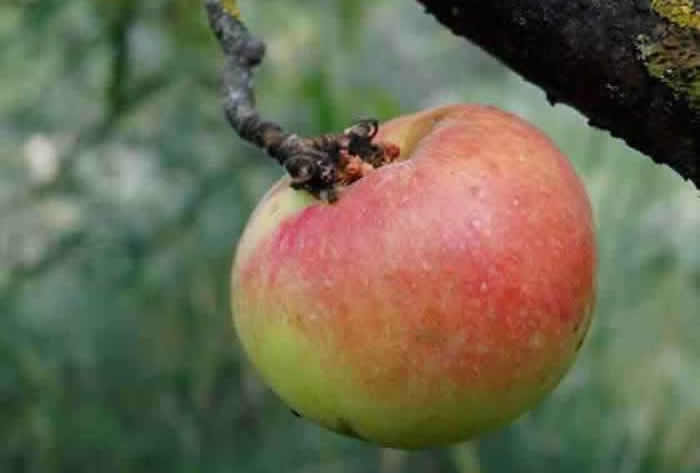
[319, 165]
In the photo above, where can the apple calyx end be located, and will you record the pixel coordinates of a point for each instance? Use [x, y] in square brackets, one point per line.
[352, 167]
[336, 161]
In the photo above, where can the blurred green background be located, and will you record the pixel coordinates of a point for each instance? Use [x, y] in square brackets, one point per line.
[123, 191]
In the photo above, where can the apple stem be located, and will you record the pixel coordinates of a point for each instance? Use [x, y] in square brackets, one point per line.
[319, 165]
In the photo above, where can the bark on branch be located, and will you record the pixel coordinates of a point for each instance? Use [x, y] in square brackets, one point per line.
[631, 66]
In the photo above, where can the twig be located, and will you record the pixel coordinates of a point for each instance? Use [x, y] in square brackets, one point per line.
[319, 165]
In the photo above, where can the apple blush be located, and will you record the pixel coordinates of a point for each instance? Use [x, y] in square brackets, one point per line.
[441, 296]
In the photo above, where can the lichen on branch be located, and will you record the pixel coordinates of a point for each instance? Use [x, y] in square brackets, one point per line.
[320, 165]
[632, 67]
[231, 7]
[672, 55]
[681, 12]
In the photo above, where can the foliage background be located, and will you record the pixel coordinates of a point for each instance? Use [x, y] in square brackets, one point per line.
[123, 191]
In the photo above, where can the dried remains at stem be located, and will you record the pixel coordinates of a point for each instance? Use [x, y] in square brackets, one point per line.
[319, 165]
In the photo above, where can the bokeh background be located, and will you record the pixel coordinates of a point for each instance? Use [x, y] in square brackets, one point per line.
[123, 192]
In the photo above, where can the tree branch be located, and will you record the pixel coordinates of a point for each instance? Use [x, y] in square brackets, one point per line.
[631, 66]
[319, 165]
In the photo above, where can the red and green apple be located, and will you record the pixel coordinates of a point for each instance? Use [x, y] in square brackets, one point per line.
[441, 296]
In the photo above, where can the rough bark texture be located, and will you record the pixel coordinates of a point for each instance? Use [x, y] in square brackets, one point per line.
[631, 66]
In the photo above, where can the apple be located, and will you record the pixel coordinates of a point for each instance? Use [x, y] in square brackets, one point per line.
[441, 296]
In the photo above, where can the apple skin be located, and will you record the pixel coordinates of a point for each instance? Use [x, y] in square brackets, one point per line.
[442, 296]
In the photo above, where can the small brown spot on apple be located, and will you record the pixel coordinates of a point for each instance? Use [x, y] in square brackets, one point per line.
[344, 427]
[536, 340]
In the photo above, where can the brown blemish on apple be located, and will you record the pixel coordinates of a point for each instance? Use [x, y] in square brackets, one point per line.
[344, 427]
